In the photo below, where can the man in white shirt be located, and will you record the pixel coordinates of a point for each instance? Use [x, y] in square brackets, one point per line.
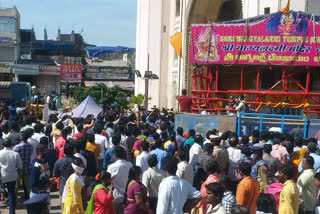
[142, 159]
[35, 139]
[234, 157]
[174, 191]
[185, 170]
[102, 141]
[306, 185]
[152, 179]
[119, 177]
[10, 162]
[196, 149]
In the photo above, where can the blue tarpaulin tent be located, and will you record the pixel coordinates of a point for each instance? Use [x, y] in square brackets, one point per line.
[99, 51]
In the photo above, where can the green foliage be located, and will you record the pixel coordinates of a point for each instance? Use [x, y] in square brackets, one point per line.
[80, 93]
[101, 94]
[137, 100]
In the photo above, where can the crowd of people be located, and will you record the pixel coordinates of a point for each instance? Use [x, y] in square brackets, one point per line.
[137, 163]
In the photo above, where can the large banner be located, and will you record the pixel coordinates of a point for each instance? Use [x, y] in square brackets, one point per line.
[71, 72]
[281, 39]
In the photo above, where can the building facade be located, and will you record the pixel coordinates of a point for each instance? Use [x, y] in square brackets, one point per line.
[9, 41]
[157, 21]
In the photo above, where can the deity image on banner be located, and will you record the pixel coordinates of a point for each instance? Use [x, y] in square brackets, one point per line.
[204, 46]
[285, 24]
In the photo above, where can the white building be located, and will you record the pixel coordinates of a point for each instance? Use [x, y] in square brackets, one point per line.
[253, 8]
[158, 20]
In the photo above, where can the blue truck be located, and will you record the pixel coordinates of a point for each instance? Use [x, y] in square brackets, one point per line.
[18, 92]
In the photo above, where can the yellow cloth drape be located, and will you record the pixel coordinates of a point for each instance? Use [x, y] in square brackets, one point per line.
[176, 42]
[286, 9]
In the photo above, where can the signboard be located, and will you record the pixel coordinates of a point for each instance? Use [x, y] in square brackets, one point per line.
[49, 70]
[6, 41]
[108, 73]
[71, 72]
[280, 39]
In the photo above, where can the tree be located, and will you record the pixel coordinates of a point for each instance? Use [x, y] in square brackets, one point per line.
[80, 93]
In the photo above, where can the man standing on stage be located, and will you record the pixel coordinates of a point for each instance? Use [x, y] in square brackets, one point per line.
[185, 101]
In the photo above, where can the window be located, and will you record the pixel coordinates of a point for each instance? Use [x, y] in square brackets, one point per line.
[7, 25]
[178, 8]
[267, 10]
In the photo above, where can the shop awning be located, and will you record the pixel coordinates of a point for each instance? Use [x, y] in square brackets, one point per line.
[122, 84]
[25, 69]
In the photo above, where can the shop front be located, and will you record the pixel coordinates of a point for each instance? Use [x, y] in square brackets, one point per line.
[49, 79]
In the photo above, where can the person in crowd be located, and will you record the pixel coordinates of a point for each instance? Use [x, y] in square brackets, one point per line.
[289, 196]
[248, 189]
[40, 173]
[190, 140]
[240, 210]
[119, 171]
[62, 168]
[102, 141]
[317, 181]
[93, 147]
[206, 155]
[272, 163]
[279, 151]
[109, 154]
[196, 149]
[80, 133]
[101, 197]
[175, 191]
[220, 154]
[161, 154]
[72, 190]
[35, 139]
[173, 147]
[307, 186]
[24, 149]
[136, 193]
[28, 121]
[299, 152]
[61, 142]
[213, 170]
[266, 204]
[207, 140]
[234, 157]
[10, 163]
[151, 179]
[14, 135]
[142, 159]
[184, 170]
[185, 101]
[214, 198]
[260, 168]
[312, 151]
[180, 138]
[229, 199]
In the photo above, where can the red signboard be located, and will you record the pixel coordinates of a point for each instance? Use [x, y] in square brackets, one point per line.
[71, 72]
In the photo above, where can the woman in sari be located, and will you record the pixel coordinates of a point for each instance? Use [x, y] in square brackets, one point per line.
[136, 194]
[71, 196]
[101, 198]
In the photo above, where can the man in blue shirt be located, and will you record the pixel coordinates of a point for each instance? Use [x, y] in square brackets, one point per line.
[312, 149]
[190, 140]
[161, 154]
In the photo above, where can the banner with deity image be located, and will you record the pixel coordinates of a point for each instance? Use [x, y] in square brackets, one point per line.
[281, 39]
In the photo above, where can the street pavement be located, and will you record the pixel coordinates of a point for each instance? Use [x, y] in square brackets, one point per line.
[21, 209]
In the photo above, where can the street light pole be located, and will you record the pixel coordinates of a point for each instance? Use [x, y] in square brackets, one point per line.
[146, 88]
